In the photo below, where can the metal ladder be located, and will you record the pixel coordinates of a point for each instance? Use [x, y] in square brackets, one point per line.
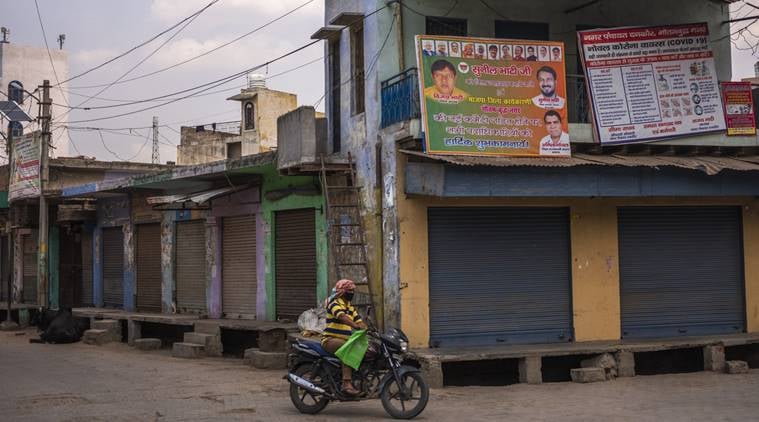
[346, 235]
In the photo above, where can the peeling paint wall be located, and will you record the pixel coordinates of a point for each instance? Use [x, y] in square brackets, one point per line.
[18, 264]
[130, 275]
[273, 181]
[213, 266]
[168, 284]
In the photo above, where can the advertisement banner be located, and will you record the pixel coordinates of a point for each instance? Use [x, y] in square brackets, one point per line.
[651, 83]
[739, 108]
[25, 167]
[493, 96]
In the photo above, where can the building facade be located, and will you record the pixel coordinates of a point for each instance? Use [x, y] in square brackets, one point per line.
[22, 70]
[654, 240]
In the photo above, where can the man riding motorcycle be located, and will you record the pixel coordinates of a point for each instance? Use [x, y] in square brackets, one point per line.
[342, 319]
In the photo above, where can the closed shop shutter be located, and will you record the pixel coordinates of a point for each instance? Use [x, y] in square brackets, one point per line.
[148, 267]
[499, 275]
[113, 267]
[87, 268]
[295, 262]
[681, 271]
[239, 266]
[30, 268]
[191, 266]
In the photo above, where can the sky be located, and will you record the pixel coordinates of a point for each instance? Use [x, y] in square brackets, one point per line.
[97, 30]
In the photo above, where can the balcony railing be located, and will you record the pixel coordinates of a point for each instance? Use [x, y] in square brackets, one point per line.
[400, 98]
[225, 127]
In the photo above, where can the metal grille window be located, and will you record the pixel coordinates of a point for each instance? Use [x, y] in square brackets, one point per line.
[446, 26]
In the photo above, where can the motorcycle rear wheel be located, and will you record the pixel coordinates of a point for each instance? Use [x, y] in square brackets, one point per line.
[417, 397]
[303, 400]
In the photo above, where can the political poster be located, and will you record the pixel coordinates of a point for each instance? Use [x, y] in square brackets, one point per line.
[497, 97]
[25, 167]
[739, 108]
[651, 83]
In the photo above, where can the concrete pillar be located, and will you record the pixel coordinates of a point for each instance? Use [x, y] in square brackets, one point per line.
[714, 358]
[625, 363]
[97, 267]
[432, 371]
[134, 331]
[531, 370]
[53, 271]
[168, 286]
[130, 274]
[213, 267]
[18, 265]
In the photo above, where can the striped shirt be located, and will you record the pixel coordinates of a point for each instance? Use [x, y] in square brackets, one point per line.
[335, 327]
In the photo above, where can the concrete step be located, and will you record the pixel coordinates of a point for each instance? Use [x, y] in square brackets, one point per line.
[188, 350]
[147, 344]
[736, 367]
[96, 337]
[585, 375]
[265, 360]
[211, 342]
[106, 324]
[207, 328]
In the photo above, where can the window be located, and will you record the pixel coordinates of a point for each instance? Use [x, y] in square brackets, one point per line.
[234, 150]
[357, 64]
[15, 129]
[333, 82]
[522, 30]
[249, 116]
[446, 26]
[16, 92]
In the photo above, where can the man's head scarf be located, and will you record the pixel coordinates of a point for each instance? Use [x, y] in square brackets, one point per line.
[343, 286]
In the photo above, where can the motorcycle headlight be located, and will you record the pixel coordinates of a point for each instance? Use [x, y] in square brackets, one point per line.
[404, 346]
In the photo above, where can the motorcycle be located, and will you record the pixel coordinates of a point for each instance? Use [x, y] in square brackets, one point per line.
[315, 377]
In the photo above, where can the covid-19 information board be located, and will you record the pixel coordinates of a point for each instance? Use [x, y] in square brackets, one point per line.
[651, 83]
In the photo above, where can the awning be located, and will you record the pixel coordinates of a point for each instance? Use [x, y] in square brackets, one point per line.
[193, 200]
[710, 165]
[583, 175]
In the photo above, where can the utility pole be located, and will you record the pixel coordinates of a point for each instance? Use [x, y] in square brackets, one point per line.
[42, 267]
[7, 271]
[156, 159]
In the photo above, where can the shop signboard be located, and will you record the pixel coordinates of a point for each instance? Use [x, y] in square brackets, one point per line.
[651, 83]
[739, 108]
[25, 167]
[497, 97]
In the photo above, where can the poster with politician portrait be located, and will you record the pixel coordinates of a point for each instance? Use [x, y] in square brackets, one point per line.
[499, 97]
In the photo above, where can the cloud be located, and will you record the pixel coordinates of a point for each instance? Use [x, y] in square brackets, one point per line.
[89, 58]
[174, 10]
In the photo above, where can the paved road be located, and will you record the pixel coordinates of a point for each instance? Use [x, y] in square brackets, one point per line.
[80, 382]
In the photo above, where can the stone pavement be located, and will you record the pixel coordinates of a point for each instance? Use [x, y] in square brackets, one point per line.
[81, 382]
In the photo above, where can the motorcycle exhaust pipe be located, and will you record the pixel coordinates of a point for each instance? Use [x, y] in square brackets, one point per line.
[305, 384]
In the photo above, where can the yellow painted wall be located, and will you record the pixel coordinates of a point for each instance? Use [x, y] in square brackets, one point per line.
[595, 257]
[751, 263]
[595, 270]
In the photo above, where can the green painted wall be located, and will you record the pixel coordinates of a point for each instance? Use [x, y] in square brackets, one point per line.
[273, 181]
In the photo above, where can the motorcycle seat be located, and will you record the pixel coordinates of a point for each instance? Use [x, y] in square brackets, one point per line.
[317, 347]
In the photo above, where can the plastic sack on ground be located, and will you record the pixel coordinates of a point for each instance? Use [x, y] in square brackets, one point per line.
[352, 352]
[312, 322]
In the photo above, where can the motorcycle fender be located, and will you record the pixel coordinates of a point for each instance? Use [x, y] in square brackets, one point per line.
[404, 369]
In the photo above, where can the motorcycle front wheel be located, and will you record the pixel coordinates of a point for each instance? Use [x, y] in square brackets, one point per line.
[305, 401]
[406, 405]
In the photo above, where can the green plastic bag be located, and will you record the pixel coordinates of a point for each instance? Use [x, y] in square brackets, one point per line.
[352, 352]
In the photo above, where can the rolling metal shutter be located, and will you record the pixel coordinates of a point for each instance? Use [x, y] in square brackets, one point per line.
[499, 275]
[30, 268]
[191, 266]
[148, 267]
[239, 266]
[681, 271]
[87, 268]
[295, 262]
[113, 267]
